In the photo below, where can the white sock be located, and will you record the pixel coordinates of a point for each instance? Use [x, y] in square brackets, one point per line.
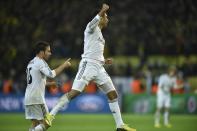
[60, 104]
[114, 107]
[166, 117]
[39, 127]
[31, 129]
[157, 117]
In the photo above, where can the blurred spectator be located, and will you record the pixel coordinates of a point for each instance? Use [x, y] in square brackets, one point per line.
[91, 88]
[137, 86]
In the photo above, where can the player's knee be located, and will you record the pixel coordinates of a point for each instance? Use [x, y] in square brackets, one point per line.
[158, 110]
[112, 95]
[166, 109]
[35, 122]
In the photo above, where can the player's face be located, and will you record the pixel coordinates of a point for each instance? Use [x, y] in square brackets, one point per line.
[47, 53]
[172, 73]
[104, 20]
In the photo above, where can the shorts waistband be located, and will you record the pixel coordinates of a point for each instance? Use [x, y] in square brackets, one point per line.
[94, 61]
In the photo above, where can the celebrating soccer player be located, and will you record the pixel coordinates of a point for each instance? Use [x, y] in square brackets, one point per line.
[91, 69]
[37, 71]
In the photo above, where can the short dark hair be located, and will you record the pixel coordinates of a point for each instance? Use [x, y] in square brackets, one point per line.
[40, 46]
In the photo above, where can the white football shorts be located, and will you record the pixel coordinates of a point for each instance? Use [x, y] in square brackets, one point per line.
[37, 111]
[163, 100]
[91, 70]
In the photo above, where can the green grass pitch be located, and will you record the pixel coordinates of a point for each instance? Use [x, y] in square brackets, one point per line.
[98, 122]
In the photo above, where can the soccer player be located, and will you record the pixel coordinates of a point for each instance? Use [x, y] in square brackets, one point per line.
[37, 72]
[166, 82]
[91, 69]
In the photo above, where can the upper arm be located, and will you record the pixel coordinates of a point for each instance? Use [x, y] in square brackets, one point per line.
[94, 23]
[44, 68]
[161, 81]
[175, 85]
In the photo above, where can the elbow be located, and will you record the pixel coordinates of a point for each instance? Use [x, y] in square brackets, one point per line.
[52, 74]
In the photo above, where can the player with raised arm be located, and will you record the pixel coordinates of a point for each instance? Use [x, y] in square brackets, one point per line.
[166, 82]
[91, 69]
[37, 72]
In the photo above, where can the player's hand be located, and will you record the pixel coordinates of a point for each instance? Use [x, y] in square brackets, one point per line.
[108, 61]
[67, 62]
[51, 83]
[105, 7]
[59, 83]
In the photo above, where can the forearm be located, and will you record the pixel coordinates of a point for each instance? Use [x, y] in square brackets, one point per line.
[98, 17]
[102, 12]
[50, 83]
[178, 86]
[60, 68]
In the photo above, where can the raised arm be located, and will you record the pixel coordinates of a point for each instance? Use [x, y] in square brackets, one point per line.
[97, 18]
[103, 10]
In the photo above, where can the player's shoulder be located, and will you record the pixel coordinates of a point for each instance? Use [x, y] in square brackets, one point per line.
[88, 30]
[163, 76]
[38, 62]
[173, 78]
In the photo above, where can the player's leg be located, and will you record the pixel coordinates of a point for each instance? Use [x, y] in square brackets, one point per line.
[29, 115]
[166, 117]
[36, 113]
[158, 110]
[111, 93]
[78, 86]
[114, 107]
[104, 82]
[157, 118]
[166, 112]
[34, 123]
[41, 126]
[64, 100]
[84, 75]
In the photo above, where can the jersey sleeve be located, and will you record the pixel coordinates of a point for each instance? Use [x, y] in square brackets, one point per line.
[93, 24]
[161, 81]
[174, 82]
[44, 68]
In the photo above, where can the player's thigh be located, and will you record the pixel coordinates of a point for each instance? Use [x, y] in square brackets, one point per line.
[160, 101]
[86, 72]
[104, 82]
[36, 112]
[167, 102]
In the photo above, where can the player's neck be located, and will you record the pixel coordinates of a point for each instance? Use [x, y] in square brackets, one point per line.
[100, 26]
[39, 56]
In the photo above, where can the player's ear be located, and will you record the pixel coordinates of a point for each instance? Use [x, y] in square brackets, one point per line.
[42, 53]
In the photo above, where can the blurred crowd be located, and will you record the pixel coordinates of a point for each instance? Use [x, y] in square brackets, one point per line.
[137, 28]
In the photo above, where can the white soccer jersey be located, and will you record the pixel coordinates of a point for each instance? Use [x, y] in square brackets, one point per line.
[37, 71]
[93, 41]
[166, 83]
